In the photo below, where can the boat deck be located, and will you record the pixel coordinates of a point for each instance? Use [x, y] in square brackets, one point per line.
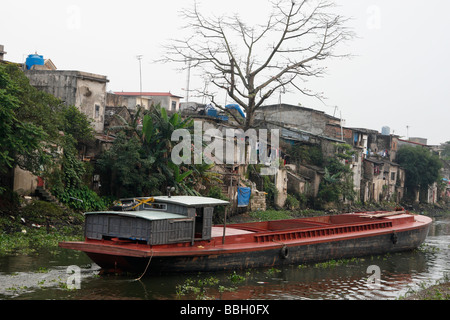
[315, 227]
[230, 231]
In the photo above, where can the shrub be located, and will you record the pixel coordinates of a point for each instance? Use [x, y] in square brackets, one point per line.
[83, 199]
[292, 203]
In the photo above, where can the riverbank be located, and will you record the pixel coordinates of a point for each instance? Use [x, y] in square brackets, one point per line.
[35, 225]
[437, 292]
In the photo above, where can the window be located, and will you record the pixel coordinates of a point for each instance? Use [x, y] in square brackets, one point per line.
[97, 111]
[155, 206]
[174, 106]
[393, 176]
[376, 170]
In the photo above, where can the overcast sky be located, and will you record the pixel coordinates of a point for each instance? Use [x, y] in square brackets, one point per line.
[398, 77]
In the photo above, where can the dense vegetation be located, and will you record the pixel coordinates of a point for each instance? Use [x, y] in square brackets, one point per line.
[421, 166]
[42, 135]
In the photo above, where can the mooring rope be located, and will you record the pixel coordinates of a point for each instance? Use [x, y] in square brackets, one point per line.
[284, 250]
[145, 271]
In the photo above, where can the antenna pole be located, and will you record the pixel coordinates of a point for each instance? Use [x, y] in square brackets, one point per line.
[139, 57]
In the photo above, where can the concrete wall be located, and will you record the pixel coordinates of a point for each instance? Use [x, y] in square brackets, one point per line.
[281, 183]
[84, 90]
[91, 99]
[310, 120]
[25, 183]
[166, 102]
[314, 175]
[130, 102]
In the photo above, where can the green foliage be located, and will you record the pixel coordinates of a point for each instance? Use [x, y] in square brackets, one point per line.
[73, 168]
[36, 106]
[337, 182]
[271, 189]
[308, 154]
[83, 199]
[236, 278]
[344, 151]
[41, 212]
[421, 167]
[216, 192]
[179, 179]
[139, 164]
[77, 125]
[127, 171]
[37, 225]
[21, 141]
[292, 203]
[270, 215]
[32, 240]
[30, 134]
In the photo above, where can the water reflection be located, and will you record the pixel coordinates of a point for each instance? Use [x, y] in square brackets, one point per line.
[399, 272]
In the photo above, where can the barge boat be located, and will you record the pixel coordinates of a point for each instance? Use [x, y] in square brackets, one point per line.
[175, 234]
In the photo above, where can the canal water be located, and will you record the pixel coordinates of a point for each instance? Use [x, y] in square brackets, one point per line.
[68, 275]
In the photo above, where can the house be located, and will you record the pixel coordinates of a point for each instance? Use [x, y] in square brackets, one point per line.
[291, 116]
[114, 100]
[382, 180]
[114, 117]
[167, 100]
[86, 91]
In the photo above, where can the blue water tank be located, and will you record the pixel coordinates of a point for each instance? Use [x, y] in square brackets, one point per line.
[34, 59]
[211, 111]
[236, 107]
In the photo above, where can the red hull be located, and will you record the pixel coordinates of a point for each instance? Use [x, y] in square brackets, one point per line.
[265, 244]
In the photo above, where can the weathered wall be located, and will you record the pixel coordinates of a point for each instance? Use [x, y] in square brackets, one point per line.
[281, 185]
[61, 84]
[81, 89]
[337, 132]
[91, 99]
[25, 182]
[306, 119]
[314, 175]
[258, 201]
[166, 102]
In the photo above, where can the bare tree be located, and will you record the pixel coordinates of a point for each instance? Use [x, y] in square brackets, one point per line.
[253, 62]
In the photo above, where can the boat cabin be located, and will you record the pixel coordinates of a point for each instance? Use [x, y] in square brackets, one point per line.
[155, 220]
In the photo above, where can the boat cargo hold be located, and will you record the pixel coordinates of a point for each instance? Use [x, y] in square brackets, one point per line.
[175, 234]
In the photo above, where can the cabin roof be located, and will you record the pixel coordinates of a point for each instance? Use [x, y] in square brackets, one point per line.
[144, 214]
[190, 201]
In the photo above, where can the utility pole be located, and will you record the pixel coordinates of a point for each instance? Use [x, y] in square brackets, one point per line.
[139, 57]
[188, 81]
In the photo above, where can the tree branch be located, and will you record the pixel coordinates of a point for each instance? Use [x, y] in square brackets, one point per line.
[243, 60]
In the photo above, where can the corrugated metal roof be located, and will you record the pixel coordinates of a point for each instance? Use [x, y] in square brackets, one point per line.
[143, 214]
[147, 94]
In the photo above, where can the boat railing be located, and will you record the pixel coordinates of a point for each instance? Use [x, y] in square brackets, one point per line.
[319, 232]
